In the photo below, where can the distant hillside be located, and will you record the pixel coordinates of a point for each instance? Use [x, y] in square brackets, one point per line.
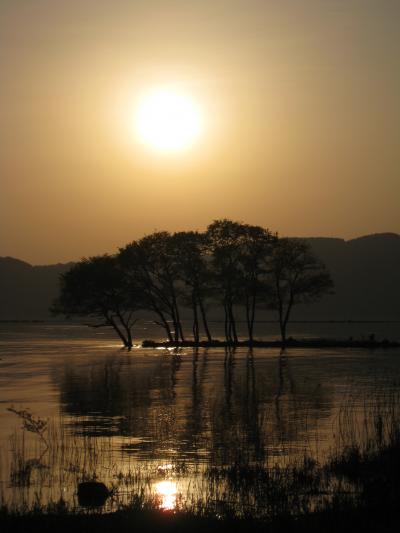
[27, 291]
[366, 272]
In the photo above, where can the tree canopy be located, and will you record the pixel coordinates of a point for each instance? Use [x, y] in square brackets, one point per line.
[235, 267]
[297, 276]
[96, 287]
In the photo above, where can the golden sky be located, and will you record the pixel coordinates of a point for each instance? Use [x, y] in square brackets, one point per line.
[300, 103]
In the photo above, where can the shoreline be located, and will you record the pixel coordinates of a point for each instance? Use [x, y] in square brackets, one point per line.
[290, 343]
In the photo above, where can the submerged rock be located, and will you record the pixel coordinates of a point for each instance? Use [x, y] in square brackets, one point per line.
[92, 494]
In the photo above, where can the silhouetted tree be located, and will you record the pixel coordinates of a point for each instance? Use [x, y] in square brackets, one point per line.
[96, 287]
[194, 271]
[256, 244]
[223, 237]
[297, 276]
[151, 263]
[238, 265]
[239, 256]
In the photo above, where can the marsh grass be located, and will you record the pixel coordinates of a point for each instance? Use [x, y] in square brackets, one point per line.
[362, 471]
[368, 453]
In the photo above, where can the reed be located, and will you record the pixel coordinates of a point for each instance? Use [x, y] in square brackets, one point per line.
[360, 471]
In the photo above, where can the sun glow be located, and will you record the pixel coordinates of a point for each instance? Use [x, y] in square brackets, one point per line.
[168, 120]
[166, 491]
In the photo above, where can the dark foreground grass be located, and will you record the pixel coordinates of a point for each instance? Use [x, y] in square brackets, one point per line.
[332, 520]
[373, 505]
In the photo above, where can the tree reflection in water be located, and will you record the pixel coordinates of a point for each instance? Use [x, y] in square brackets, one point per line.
[201, 405]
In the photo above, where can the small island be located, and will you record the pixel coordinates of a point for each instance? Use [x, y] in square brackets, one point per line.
[289, 343]
[237, 269]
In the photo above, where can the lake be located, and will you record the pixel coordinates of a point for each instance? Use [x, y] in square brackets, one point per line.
[161, 422]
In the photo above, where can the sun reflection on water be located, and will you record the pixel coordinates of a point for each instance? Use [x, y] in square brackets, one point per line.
[166, 491]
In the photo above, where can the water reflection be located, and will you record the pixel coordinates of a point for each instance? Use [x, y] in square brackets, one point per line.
[210, 406]
[157, 418]
[136, 420]
[166, 491]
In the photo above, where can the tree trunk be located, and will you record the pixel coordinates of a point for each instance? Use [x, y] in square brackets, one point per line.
[178, 319]
[233, 323]
[129, 342]
[204, 318]
[180, 328]
[252, 317]
[282, 325]
[164, 323]
[167, 330]
[175, 312]
[117, 329]
[127, 328]
[175, 324]
[128, 336]
[170, 319]
[248, 321]
[195, 321]
[285, 320]
[227, 324]
[154, 307]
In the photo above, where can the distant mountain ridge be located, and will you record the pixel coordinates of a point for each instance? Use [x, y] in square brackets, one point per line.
[366, 272]
[26, 291]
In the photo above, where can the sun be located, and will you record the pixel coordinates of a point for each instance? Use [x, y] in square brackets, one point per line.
[168, 120]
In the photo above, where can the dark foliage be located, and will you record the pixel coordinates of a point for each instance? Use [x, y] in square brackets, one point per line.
[96, 287]
[235, 266]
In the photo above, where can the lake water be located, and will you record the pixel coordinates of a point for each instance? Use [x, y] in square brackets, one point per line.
[157, 420]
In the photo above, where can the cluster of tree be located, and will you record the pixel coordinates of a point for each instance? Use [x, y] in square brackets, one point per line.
[238, 267]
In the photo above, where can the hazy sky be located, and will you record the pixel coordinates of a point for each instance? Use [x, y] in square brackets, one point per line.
[300, 100]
